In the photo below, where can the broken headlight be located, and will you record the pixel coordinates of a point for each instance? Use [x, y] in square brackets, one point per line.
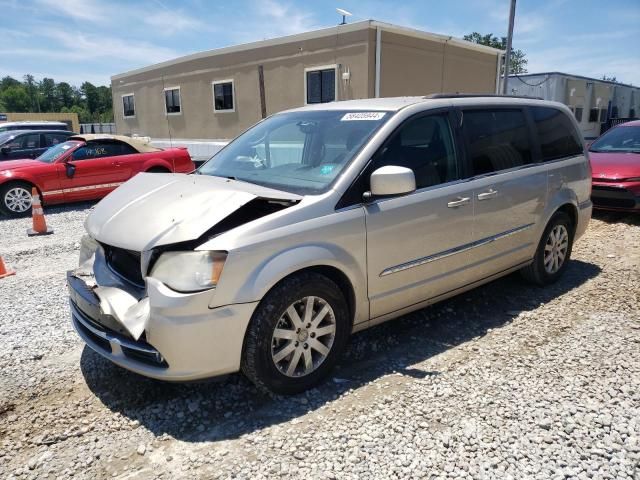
[189, 271]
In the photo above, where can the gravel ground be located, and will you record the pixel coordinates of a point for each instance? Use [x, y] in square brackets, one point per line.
[507, 381]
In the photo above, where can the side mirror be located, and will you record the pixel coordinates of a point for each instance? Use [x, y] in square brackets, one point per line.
[5, 150]
[392, 180]
[70, 169]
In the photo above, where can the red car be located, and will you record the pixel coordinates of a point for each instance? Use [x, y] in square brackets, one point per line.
[85, 167]
[615, 165]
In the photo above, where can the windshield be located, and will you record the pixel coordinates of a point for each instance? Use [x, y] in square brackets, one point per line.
[53, 153]
[620, 139]
[300, 152]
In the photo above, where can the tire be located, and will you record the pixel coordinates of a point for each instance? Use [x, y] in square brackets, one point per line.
[268, 355]
[10, 193]
[158, 170]
[537, 272]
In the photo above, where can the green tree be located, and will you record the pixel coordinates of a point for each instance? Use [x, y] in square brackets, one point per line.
[104, 98]
[7, 82]
[32, 92]
[84, 116]
[64, 94]
[48, 98]
[518, 57]
[91, 96]
[15, 99]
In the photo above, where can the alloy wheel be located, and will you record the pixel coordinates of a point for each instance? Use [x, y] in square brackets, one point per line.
[555, 250]
[303, 336]
[18, 199]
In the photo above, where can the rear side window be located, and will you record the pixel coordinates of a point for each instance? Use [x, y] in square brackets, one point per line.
[556, 134]
[497, 139]
[51, 139]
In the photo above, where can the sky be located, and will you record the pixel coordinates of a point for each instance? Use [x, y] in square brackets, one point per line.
[90, 40]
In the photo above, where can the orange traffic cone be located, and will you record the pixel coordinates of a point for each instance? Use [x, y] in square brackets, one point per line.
[39, 223]
[3, 270]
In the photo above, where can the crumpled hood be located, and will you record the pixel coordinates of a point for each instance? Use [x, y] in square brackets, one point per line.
[154, 209]
[19, 164]
[615, 165]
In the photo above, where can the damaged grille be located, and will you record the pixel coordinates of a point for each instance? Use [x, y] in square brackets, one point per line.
[124, 263]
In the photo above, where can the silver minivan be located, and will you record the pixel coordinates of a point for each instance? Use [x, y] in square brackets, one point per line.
[322, 221]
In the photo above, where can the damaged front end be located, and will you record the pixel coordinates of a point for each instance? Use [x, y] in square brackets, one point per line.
[143, 292]
[107, 311]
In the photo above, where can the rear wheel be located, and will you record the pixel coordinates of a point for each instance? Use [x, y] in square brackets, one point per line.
[553, 252]
[296, 334]
[15, 199]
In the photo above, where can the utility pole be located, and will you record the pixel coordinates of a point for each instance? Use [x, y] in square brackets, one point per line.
[507, 60]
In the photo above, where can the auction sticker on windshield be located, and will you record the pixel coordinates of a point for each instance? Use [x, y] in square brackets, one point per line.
[362, 116]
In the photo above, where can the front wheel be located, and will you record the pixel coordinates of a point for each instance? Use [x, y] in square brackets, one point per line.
[553, 252]
[296, 335]
[15, 199]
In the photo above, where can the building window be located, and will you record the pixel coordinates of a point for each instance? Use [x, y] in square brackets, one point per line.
[223, 96]
[614, 112]
[128, 106]
[632, 113]
[593, 115]
[172, 101]
[578, 114]
[320, 84]
[603, 115]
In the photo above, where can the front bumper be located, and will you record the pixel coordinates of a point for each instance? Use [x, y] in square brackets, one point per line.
[183, 339]
[608, 196]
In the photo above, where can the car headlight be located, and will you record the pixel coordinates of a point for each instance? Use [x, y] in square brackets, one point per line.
[189, 271]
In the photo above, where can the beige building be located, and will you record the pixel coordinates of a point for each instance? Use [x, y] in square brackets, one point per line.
[219, 93]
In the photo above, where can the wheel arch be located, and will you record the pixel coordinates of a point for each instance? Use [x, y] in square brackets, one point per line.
[330, 261]
[334, 274]
[157, 163]
[26, 180]
[571, 210]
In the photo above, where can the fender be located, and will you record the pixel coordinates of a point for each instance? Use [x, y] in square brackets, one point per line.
[557, 199]
[267, 274]
[157, 162]
[21, 177]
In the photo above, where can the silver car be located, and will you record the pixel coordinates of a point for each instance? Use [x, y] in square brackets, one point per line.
[322, 221]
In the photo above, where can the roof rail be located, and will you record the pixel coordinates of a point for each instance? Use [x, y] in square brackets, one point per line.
[476, 95]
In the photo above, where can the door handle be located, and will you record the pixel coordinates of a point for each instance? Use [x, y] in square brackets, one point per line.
[487, 195]
[459, 202]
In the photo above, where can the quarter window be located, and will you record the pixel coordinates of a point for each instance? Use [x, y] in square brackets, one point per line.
[223, 93]
[172, 100]
[425, 145]
[128, 106]
[51, 139]
[497, 140]
[556, 134]
[321, 85]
